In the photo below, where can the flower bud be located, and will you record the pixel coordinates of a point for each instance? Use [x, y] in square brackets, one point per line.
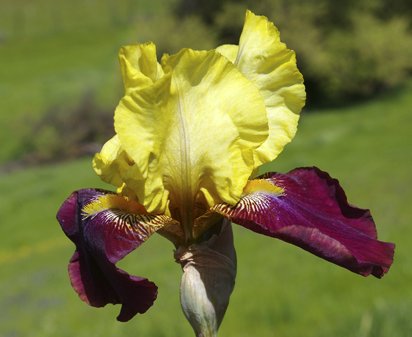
[209, 272]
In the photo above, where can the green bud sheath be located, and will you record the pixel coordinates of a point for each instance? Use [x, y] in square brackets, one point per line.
[209, 272]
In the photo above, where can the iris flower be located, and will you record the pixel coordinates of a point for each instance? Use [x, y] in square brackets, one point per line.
[191, 133]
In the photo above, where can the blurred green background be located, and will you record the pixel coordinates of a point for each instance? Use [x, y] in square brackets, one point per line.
[59, 85]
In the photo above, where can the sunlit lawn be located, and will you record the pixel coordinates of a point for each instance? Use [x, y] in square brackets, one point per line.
[281, 291]
[53, 53]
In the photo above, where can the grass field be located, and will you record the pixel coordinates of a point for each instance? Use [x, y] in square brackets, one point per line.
[281, 291]
[52, 53]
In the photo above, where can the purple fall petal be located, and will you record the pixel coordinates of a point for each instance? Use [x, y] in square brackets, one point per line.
[312, 212]
[101, 241]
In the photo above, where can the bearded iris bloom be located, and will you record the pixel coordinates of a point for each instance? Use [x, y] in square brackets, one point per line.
[191, 133]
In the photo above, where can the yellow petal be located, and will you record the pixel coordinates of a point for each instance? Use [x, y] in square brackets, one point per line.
[115, 167]
[267, 62]
[192, 133]
[229, 51]
[139, 66]
[225, 83]
[105, 162]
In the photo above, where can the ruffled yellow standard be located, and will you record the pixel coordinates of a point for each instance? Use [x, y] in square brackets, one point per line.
[193, 129]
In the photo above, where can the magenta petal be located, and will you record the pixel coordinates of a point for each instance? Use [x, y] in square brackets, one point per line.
[312, 212]
[99, 245]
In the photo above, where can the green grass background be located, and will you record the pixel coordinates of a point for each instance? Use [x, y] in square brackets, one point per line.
[280, 290]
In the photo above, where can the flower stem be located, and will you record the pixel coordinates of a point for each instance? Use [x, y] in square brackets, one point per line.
[209, 271]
